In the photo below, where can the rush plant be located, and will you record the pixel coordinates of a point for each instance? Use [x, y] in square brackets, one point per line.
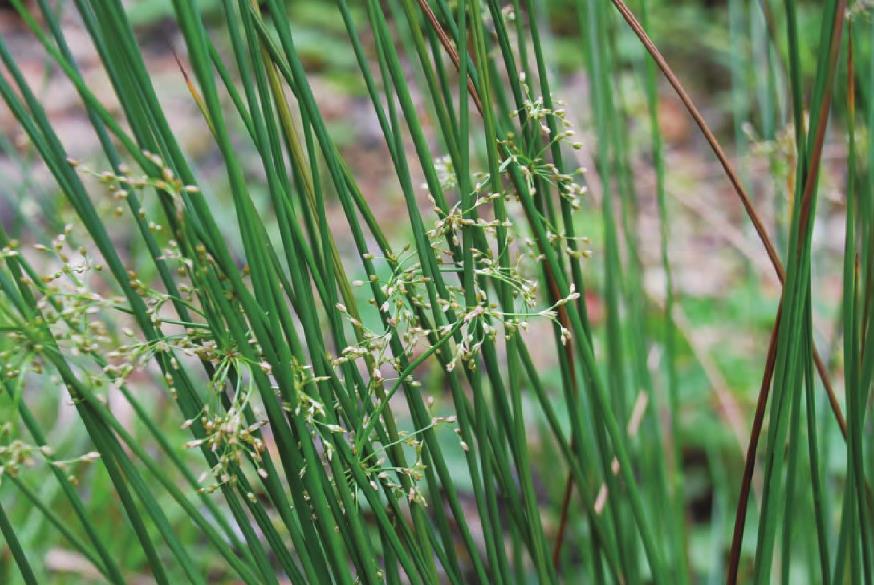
[276, 399]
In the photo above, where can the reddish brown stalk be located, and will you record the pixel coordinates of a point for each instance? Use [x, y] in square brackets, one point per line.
[562, 525]
[775, 261]
[750, 462]
[735, 181]
[804, 219]
[572, 375]
[192, 89]
[450, 50]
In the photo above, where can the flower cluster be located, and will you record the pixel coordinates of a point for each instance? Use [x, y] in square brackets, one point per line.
[125, 184]
[417, 316]
[16, 454]
[860, 8]
[529, 155]
[69, 316]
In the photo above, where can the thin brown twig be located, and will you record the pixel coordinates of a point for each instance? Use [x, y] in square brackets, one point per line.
[572, 375]
[749, 463]
[563, 521]
[450, 49]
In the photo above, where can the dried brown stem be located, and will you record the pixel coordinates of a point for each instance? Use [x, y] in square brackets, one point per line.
[750, 462]
[450, 49]
[804, 218]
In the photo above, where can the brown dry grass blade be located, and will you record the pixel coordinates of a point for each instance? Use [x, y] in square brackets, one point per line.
[192, 89]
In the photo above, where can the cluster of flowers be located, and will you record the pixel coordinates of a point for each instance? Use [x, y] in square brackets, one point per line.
[406, 302]
[16, 454]
[229, 425]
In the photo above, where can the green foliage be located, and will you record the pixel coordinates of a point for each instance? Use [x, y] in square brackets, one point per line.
[271, 382]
